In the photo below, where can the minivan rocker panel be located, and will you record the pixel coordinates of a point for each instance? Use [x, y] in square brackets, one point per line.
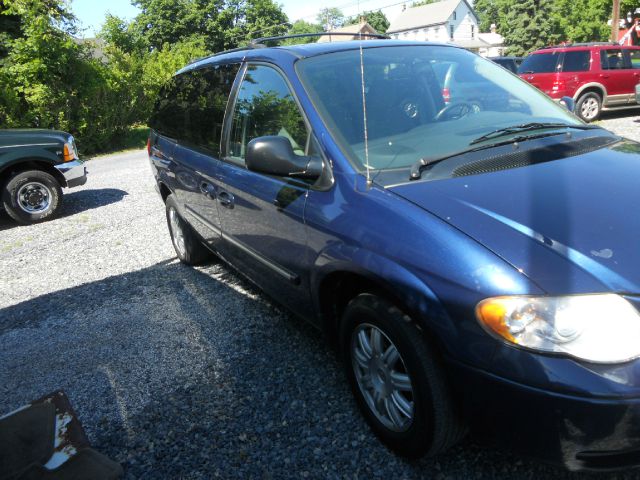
[395, 264]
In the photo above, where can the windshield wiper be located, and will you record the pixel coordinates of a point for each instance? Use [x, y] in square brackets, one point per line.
[416, 168]
[525, 127]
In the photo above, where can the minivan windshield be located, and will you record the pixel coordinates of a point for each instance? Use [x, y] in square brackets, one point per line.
[422, 102]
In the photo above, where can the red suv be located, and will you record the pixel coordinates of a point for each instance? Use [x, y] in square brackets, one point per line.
[599, 76]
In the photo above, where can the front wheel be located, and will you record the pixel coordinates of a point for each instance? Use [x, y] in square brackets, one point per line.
[32, 196]
[589, 106]
[397, 380]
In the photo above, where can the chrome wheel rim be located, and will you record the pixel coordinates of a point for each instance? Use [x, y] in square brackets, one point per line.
[176, 232]
[589, 108]
[34, 197]
[382, 377]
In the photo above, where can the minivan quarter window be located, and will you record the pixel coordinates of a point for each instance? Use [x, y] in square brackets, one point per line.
[265, 106]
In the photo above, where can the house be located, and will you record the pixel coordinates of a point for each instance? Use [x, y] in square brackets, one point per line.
[355, 29]
[495, 43]
[452, 21]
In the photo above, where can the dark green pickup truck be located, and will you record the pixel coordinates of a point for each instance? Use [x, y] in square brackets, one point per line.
[34, 167]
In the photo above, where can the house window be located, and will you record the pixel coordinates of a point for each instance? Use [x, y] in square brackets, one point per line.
[472, 31]
[455, 14]
[451, 31]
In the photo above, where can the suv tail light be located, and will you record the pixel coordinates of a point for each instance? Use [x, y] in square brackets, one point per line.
[446, 95]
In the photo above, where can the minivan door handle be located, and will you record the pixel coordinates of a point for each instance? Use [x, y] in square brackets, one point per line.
[602, 75]
[226, 199]
[208, 190]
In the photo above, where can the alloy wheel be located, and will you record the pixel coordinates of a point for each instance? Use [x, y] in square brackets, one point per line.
[382, 377]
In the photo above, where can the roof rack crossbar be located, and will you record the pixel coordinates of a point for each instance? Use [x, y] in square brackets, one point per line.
[380, 36]
[250, 46]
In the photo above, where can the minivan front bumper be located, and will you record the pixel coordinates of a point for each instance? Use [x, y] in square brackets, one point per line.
[581, 433]
[74, 173]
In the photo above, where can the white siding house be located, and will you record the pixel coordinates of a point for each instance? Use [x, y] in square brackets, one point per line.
[451, 21]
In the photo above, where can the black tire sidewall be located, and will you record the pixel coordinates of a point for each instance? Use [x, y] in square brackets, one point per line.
[195, 251]
[11, 188]
[582, 99]
[416, 441]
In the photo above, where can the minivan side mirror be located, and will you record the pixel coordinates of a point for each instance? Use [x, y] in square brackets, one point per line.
[274, 155]
[568, 103]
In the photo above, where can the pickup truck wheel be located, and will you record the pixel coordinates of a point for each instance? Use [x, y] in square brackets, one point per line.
[32, 196]
[186, 243]
[588, 106]
[397, 380]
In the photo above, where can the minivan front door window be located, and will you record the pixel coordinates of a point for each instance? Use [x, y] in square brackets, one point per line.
[265, 106]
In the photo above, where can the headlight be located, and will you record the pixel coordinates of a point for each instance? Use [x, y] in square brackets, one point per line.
[601, 328]
[69, 151]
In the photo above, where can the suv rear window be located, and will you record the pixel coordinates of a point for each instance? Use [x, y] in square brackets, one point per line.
[540, 63]
[576, 61]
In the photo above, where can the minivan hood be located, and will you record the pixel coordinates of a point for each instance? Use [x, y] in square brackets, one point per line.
[570, 225]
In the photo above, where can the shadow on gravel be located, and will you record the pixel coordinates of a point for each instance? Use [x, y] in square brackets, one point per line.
[178, 372]
[75, 202]
[626, 112]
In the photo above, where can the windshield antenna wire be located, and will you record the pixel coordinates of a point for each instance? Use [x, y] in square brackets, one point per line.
[364, 108]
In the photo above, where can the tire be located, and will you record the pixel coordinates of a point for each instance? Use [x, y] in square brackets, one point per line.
[32, 197]
[433, 425]
[186, 243]
[589, 106]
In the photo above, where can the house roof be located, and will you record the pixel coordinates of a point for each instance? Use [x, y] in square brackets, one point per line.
[356, 28]
[431, 14]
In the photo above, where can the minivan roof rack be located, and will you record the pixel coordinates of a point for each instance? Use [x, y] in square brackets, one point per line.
[260, 41]
[250, 46]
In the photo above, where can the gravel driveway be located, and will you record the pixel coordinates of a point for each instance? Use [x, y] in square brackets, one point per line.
[181, 372]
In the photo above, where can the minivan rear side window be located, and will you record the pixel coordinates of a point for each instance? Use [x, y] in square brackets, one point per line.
[540, 63]
[191, 106]
[576, 61]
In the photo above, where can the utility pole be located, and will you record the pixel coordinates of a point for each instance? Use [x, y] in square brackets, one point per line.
[615, 21]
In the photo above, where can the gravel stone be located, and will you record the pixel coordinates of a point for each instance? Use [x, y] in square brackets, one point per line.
[180, 372]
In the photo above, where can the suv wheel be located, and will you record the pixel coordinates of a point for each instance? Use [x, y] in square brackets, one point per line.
[588, 106]
[396, 379]
[186, 243]
[32, 196]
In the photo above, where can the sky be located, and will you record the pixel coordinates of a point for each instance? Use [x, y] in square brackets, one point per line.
[91, 13]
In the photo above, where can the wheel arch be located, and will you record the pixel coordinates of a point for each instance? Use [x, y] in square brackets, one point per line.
[164, 191]
[32, 163]
[340, 283]
[591, 87]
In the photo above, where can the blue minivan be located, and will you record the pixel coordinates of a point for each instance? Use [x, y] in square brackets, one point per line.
[476, 261]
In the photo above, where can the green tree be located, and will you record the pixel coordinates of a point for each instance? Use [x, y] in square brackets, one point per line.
[330, 18]
[376, 19]
[300, 26]
[252, 19]
[532, 24]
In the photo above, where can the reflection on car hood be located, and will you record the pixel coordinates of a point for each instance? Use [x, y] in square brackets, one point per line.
[571, 225]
